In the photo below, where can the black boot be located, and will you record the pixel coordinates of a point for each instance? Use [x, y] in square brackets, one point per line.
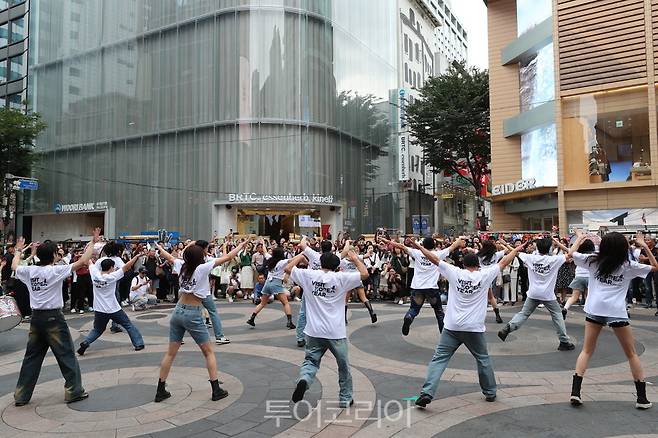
[502, 334]
[499, 320]
[217, 392]
[373, 315]
[575, 390]
[290, 325]
[406, 325]
[83, 348]
[642, 401]
[252, 320]
[162, 393]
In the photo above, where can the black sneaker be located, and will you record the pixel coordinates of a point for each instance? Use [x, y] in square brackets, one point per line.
[251, 322]
[423, 400]
[490, 398]
[406, 325]
[300, 389]
[83, 348]
[502, 334]
[301, 344]
[115, 329]
[373, 318]
[78, 398]
[139, 348]
[291, 326]
[564, 314]
[566, 346]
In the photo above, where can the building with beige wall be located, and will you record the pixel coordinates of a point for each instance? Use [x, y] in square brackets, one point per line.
[573, 113]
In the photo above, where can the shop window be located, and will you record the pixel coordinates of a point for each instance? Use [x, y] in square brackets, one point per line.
[606, 137]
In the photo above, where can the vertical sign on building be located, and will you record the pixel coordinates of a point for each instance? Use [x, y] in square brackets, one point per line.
[403, 142]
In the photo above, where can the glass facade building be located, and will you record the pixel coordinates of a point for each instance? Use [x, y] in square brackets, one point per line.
[197, 116]
[13, 53]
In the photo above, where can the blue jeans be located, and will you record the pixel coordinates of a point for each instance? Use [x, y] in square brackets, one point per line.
[418, 297]
[301, 320]
[210, 306]
[552, 306]
[315, 349]
[48, 329]
[120, 317]
[449, 343]
[187, 318]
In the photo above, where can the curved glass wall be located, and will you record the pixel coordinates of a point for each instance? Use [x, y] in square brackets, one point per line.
[172, 104]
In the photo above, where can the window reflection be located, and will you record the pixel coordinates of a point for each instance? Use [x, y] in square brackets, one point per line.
[3, 71]
[16, 67]
[530, 13]
[17, 30]
[4, 34]
[606, 137]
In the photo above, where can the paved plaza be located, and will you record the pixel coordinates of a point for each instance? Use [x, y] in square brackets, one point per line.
[260, 366]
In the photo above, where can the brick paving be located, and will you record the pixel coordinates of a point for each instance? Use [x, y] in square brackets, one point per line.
[260, 366]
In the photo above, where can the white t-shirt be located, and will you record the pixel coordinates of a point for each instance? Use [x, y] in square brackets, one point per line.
[278, 271]
[324, 297]
[542, 274]
[426, 273]
[176, 266]
[347, 265]
[199, 283]
[118, 263]
[142, 290]
[493, 260]
[467, 297]
[105, 300]
[607, 295]
[313, 258]
[44, 283]
[582, 272]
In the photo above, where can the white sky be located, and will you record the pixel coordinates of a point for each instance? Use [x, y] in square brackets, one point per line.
[472, 14]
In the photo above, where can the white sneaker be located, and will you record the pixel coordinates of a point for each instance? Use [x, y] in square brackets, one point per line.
[74, 311]
[541, 306]
[133, 306]
[223, 340]
[230, 299]
[91, 309]
[81, 312]
[401, 302]
[297, 299]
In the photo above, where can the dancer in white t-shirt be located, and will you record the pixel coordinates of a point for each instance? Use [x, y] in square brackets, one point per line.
[48, 328]
[324, 293]
[276, 262]
[579, 284]
[464, 320]
[347, 266]
[610, 273]
[542, 273]
[425, 283]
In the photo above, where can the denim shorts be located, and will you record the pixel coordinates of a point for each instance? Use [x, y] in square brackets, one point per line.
[610, 321]
[579, 283]
[273, 286]
[188, 318]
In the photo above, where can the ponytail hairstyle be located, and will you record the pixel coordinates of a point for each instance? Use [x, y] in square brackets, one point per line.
[193, 256]
[613, 253]
[277, 256]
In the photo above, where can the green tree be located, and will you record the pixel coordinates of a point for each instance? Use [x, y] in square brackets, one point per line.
[18, 130]
[450, 120]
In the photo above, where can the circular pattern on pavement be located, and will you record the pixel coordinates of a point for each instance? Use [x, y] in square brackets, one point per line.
[115, 398]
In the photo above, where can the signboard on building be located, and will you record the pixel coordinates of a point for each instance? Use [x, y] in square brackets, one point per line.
[307, 221]
[403, 141]
[261, 198]
[80, 208]
[519, 186]
[27, 184]
[420, 224]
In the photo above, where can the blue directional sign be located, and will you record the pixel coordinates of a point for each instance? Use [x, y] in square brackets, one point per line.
[28, 184]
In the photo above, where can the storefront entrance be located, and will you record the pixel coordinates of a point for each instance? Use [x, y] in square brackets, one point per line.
[278, 223]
